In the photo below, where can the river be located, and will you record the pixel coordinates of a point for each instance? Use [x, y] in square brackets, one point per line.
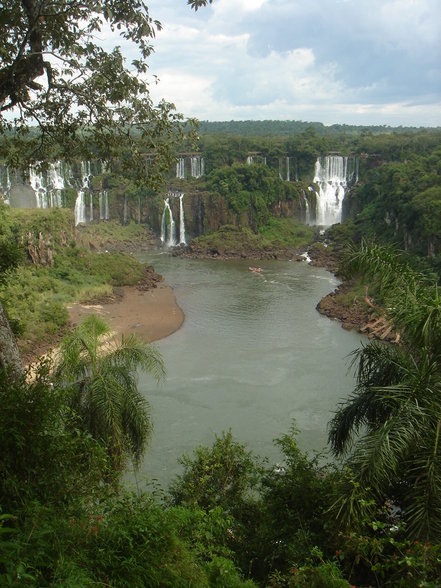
[253, 354]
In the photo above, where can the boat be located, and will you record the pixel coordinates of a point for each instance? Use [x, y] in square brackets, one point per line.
[257, 270]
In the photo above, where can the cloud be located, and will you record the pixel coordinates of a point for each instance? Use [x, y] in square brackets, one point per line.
[326, 60]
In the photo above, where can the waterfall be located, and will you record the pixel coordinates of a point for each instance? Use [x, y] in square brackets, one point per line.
[80, 208]
[80, 202]
[91, 207]
[104, 205]
[168, 228]
[47, 185]
[101, 205]
[197, 166]
[38, 184]
[250, 159]
[331, 175]
[180, 168]
[287, 170]
[55, 184]
[307, 211]
[5, 183]
[181, 221]
[126, 211]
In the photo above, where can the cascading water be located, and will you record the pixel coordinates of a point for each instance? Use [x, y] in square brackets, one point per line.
[5, 183]
[168, 228]
[56, 175]
[332, 177]
[180, 168]
[126, 211]
[101, 205]
[104, 205]
[307, 210]
[47, 186]
[197, 166]
[181, 221]
[80, 202]
[37, 182]
[284, 171]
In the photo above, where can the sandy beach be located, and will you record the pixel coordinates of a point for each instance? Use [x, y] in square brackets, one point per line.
[151, 315]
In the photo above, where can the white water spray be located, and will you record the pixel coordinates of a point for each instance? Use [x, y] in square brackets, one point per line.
[181, 221]
[80, 202]
[197, 166]
[180, 168]
[332, 177]
[168, 228]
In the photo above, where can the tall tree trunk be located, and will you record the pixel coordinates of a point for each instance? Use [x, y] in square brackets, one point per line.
[10, 359]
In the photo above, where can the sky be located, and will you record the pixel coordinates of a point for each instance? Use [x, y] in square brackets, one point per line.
[367, 62]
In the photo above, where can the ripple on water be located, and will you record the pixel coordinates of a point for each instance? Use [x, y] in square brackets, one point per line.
[253, 354]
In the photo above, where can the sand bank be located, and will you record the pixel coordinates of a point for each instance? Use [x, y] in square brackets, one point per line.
[151, 315]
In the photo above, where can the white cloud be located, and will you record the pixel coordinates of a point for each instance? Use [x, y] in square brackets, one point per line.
[330, 60]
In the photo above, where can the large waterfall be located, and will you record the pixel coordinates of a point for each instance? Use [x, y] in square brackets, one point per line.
[333, 174]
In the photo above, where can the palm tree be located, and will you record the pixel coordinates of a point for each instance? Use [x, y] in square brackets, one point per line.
[101, 377]
[389, 428]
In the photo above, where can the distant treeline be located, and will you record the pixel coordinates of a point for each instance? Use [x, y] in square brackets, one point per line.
[292, 127]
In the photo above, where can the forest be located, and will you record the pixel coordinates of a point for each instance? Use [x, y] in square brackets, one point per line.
[72, 423]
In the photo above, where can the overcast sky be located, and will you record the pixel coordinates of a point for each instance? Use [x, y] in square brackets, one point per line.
[333, 61]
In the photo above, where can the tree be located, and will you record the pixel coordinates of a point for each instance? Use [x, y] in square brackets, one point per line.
[82, 98]
[10, 255]
[389, 429]
[102, 380]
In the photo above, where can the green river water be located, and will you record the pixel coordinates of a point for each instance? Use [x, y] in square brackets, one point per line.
[253, 354]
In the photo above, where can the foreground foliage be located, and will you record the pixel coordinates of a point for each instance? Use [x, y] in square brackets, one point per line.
[230, 519]
[101, 376]
[390, 427]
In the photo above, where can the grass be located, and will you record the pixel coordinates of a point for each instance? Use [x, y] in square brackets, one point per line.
[103, 233]
[284, 233]
[287, 232]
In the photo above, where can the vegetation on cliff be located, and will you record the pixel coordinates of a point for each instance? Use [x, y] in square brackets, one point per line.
[52, 269]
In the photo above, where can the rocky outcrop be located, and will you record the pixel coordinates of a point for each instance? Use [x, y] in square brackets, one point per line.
[359, 315]
[230, 242]
[149, 280]
[39, 249]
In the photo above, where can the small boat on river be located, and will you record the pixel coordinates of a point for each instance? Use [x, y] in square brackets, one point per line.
[256, 270]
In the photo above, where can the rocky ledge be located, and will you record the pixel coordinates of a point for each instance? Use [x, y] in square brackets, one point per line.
[149, 280]
[355, 312]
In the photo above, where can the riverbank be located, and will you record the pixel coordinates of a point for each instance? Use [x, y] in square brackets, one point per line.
[350, 303]
[149, 314]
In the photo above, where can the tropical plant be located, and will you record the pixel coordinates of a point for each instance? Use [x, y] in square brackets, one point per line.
[102, 379]
[222, 475]
[389, 428]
